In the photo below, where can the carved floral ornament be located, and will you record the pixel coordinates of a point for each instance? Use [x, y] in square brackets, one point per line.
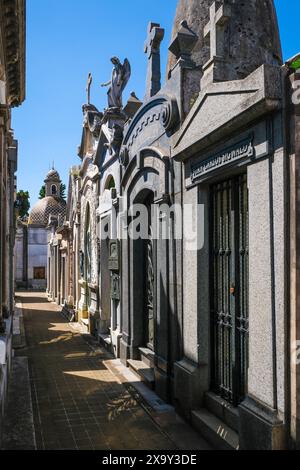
[166, 112]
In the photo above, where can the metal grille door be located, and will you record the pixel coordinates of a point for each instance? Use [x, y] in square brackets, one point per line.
[229, 288]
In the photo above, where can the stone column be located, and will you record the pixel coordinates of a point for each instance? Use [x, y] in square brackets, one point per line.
[262, 412]
[191, 372]
[162, 333]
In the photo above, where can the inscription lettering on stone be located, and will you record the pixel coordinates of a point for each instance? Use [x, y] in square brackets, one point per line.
[242, 150]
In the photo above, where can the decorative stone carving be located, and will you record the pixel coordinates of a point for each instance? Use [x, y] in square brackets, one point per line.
[160, 110]
[119, 79]
[253, 32]
[81, 262]
[124, 156]
[92, 119]
[215, 29]
[90, 198]
[170, 114]
[132, 106]
[115, 286]
[116, 139]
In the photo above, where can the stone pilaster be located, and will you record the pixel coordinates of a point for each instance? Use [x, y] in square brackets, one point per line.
[294, 138]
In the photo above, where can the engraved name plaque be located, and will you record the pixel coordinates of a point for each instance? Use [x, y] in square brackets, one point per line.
[239, 151]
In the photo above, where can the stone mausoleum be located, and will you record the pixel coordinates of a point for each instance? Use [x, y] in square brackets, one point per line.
[31, 246]
[207, 316]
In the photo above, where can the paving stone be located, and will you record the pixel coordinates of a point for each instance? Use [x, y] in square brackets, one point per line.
[77, 402]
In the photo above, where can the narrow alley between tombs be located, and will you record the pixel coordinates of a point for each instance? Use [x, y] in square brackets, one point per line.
[77, 402]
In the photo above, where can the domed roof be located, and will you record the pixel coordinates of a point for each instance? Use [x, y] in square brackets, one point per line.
[45, 207]
[52, 175]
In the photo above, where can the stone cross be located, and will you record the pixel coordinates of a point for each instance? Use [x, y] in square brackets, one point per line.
[152, 49]
[215, 29]
[88, 88]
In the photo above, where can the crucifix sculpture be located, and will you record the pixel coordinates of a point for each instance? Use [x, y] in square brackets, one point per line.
[215, 29]
[152, 49]
[88, 88]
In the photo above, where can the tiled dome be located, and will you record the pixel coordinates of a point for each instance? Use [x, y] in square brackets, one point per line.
[47, 206]
[53, 175]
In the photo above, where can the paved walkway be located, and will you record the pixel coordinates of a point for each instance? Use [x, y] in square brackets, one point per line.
[77, 402]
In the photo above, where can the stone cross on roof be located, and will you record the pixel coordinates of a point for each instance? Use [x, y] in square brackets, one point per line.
[88, 88]
[152, 49]
[215, 29]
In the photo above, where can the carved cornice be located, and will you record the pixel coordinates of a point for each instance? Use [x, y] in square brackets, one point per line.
[165, 110]
[12, 20]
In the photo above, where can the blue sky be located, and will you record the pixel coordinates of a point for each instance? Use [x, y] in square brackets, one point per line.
[66, 39]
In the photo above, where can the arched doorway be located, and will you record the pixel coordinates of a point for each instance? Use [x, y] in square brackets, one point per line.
[149, 278]
[144, 262]
[108, 303]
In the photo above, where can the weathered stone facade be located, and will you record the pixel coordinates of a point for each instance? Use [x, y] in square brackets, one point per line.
[31, 246]
[12, 93]
[209, 322]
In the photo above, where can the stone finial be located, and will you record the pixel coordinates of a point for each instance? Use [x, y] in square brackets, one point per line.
[152, 49]
[183, 44]
[132, 106]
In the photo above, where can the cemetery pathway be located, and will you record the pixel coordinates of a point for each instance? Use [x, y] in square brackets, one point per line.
[77, 402]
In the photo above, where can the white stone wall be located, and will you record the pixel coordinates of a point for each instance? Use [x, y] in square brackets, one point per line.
[37, 254]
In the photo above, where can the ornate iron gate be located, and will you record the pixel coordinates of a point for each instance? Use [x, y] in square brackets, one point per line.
[229, 288]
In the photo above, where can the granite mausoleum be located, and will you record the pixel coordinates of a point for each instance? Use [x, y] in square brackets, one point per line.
[204, 305]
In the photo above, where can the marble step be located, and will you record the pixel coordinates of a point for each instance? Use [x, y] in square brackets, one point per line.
[142, 371]
[105, 338]
[222, 409]
[147, 356]
[84, 324]
[214, 430]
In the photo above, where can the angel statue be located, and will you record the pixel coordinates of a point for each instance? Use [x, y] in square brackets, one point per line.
[119, 79]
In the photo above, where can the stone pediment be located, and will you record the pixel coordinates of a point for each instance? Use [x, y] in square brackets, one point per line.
[226, 106]
[159, 115]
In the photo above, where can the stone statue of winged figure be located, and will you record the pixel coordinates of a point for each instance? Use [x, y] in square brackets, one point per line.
[119, 79]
